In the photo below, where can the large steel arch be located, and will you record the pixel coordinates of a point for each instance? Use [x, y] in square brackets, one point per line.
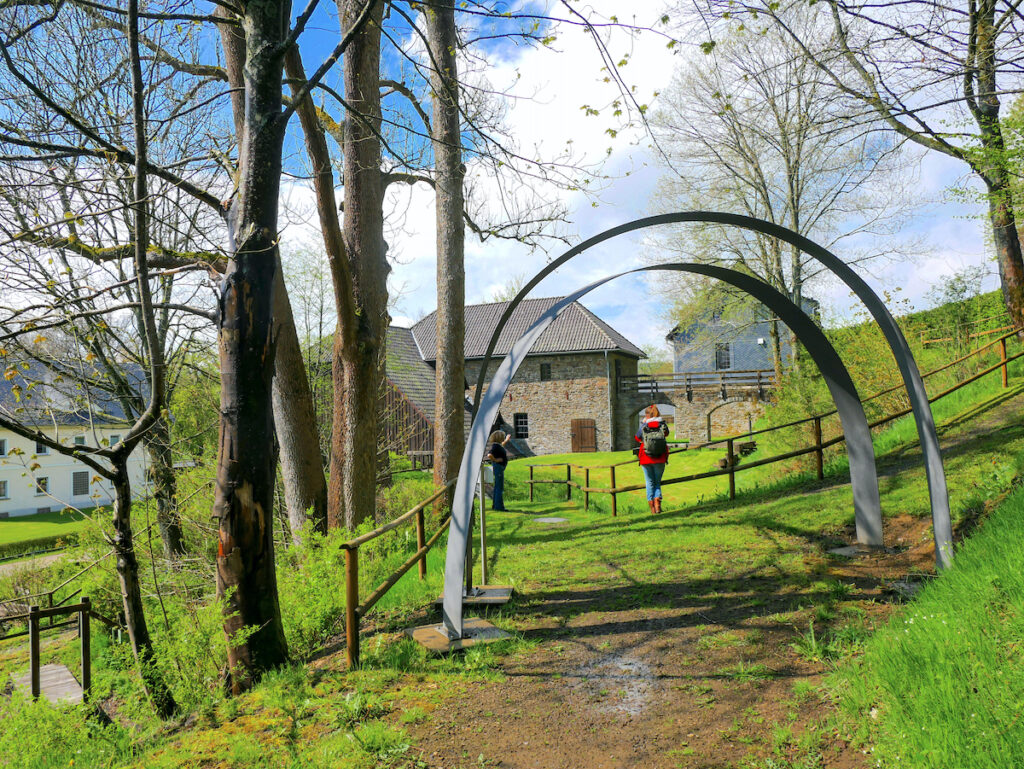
[936, 475]
[864, 481]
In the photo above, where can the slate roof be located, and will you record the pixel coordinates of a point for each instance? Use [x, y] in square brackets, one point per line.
[409, 372]
[413, 376]
[34, 394]
[577, 329]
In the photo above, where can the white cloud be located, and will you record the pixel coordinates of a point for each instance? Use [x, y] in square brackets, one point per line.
[554, 85]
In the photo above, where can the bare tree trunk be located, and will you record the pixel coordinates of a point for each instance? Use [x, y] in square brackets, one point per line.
[298, 436]
[131, 593]
[360, 338]
[449, 428]
[165, 488]
[246, 578]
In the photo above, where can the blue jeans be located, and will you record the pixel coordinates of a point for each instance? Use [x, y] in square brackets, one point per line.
[498, 498]
[652, 477]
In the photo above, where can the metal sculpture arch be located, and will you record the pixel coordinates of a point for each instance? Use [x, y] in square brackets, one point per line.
[863, 476]
[936, 475]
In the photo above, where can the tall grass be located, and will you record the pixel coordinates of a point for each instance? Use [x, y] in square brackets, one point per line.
[942, 685]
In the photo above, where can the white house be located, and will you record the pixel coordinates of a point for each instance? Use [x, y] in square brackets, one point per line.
[37, 479]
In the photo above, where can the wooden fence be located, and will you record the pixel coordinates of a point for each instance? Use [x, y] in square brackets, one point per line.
[731, 458]
[354, 610]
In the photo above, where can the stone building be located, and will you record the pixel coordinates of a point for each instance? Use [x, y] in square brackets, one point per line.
[565, 396]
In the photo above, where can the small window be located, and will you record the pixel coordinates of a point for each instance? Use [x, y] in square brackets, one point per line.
[521, 425]
[115, 439]
[79, 440]
[3, 489]
[80, 483]
[3, 447]
[545, 372]
[723, 357]
[41, 448]
[42, 486]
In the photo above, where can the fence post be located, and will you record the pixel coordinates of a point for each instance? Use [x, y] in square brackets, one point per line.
[568, 480]
[1002, 357]
[730, 459]
[85, 636]
[352, 604]
[421, 542]
[586, 486]
[615, 505]
[33, 650]
[531, 483]
[819, 459]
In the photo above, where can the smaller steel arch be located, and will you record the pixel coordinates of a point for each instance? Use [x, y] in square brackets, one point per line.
[863, 476]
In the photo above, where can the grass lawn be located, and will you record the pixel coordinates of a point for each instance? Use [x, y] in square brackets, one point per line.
[738, 602]
[41, 526]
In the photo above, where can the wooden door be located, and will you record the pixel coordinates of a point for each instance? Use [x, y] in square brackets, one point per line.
[584, 435]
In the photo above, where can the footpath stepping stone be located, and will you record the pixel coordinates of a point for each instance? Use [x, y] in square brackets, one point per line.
[477, 631]
[550, 520]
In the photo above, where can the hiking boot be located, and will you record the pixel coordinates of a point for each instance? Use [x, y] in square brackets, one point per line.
[650, 504]
[657, 504]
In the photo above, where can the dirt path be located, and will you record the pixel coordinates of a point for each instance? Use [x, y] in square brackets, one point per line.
[721, 678]
[711, 681]
[26, 564]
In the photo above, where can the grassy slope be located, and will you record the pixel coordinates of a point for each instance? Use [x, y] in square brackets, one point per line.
[324, 714]
[42, 525]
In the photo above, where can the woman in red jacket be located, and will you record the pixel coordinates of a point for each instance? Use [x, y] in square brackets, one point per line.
[653, 454]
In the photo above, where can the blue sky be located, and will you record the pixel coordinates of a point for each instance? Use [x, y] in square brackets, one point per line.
[560, 82]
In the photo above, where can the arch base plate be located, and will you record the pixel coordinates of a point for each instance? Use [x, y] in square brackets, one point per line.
[484, 595]
[475, 631]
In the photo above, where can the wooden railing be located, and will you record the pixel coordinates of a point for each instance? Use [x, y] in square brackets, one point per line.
[732, 465]
[354, 610]
[37, 614]
[723, 381]
[12, 609]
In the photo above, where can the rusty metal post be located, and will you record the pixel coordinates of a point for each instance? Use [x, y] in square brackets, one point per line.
[819, 457]
[85, 637]
[730, 459]
[1002, 357]
[421, 542]
[586, 486]
[568, 480]
[352, 605]
[615, 501]
[531, 483]
[33, 650]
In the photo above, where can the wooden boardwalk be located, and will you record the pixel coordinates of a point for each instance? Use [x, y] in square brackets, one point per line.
[56, 683]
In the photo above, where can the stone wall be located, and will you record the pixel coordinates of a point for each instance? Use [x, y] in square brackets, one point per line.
[729, 417]
[578, 388]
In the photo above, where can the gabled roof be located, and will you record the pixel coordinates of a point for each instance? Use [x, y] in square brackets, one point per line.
[577, 329]
[34, 394]
[410, 374]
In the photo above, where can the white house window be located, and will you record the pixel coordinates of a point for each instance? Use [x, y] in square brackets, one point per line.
[3, 489]
[80, 483]
[41, 448]
[723, 357]
[521, 425]
[545, 372]
[115, 439]
[42, 485]
[79, 440]
[3, 447]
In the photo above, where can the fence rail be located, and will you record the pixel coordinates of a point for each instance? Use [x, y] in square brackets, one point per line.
[723, 381]
[354, 611]
[731, 459]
